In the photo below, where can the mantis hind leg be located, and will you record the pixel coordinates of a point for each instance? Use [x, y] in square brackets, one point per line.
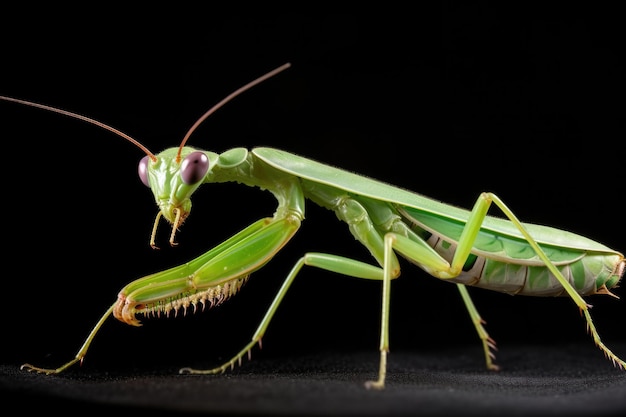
[414, 250]
[465, 244]
[485, 201]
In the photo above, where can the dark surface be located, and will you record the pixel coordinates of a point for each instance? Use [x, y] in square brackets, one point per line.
[559, 380]
[447, 100]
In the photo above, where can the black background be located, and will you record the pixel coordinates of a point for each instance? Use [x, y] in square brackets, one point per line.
[448, 101]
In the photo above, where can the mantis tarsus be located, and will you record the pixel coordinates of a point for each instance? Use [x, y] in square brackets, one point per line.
[465, 247]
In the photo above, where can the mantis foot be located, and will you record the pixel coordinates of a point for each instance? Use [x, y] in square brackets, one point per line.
[30, 368]
[378, 385]
[382, 372]
[237, 359]
[617, 362]
[489, 346]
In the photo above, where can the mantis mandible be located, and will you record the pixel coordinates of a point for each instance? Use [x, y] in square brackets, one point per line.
[464, 247]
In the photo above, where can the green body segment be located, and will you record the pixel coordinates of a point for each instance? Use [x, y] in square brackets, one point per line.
[506, 263]
[502, 258]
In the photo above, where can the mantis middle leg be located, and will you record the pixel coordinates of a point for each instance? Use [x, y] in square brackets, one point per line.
[381, 231]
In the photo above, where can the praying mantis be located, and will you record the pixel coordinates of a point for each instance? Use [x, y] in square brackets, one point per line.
[464, 247]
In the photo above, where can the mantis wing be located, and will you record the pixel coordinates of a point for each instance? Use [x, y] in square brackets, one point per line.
[434, 215]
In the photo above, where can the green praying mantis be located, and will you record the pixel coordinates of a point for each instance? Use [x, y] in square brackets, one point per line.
[465, 247]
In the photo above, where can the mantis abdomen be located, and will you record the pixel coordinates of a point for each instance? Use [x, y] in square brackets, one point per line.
[589, 274]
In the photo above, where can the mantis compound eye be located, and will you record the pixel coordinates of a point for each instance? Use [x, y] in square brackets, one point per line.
[194, 167]
[143, 170]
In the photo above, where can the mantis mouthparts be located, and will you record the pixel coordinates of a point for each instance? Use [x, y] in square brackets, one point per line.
[178, 220]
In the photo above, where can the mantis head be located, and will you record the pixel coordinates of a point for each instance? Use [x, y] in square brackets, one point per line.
[174, 174]
[173, 181]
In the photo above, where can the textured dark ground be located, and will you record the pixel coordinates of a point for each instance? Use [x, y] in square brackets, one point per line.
[561, 380]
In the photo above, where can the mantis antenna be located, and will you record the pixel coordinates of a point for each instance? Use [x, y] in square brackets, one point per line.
[226, 100]
[136, 142]
[85, 119]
